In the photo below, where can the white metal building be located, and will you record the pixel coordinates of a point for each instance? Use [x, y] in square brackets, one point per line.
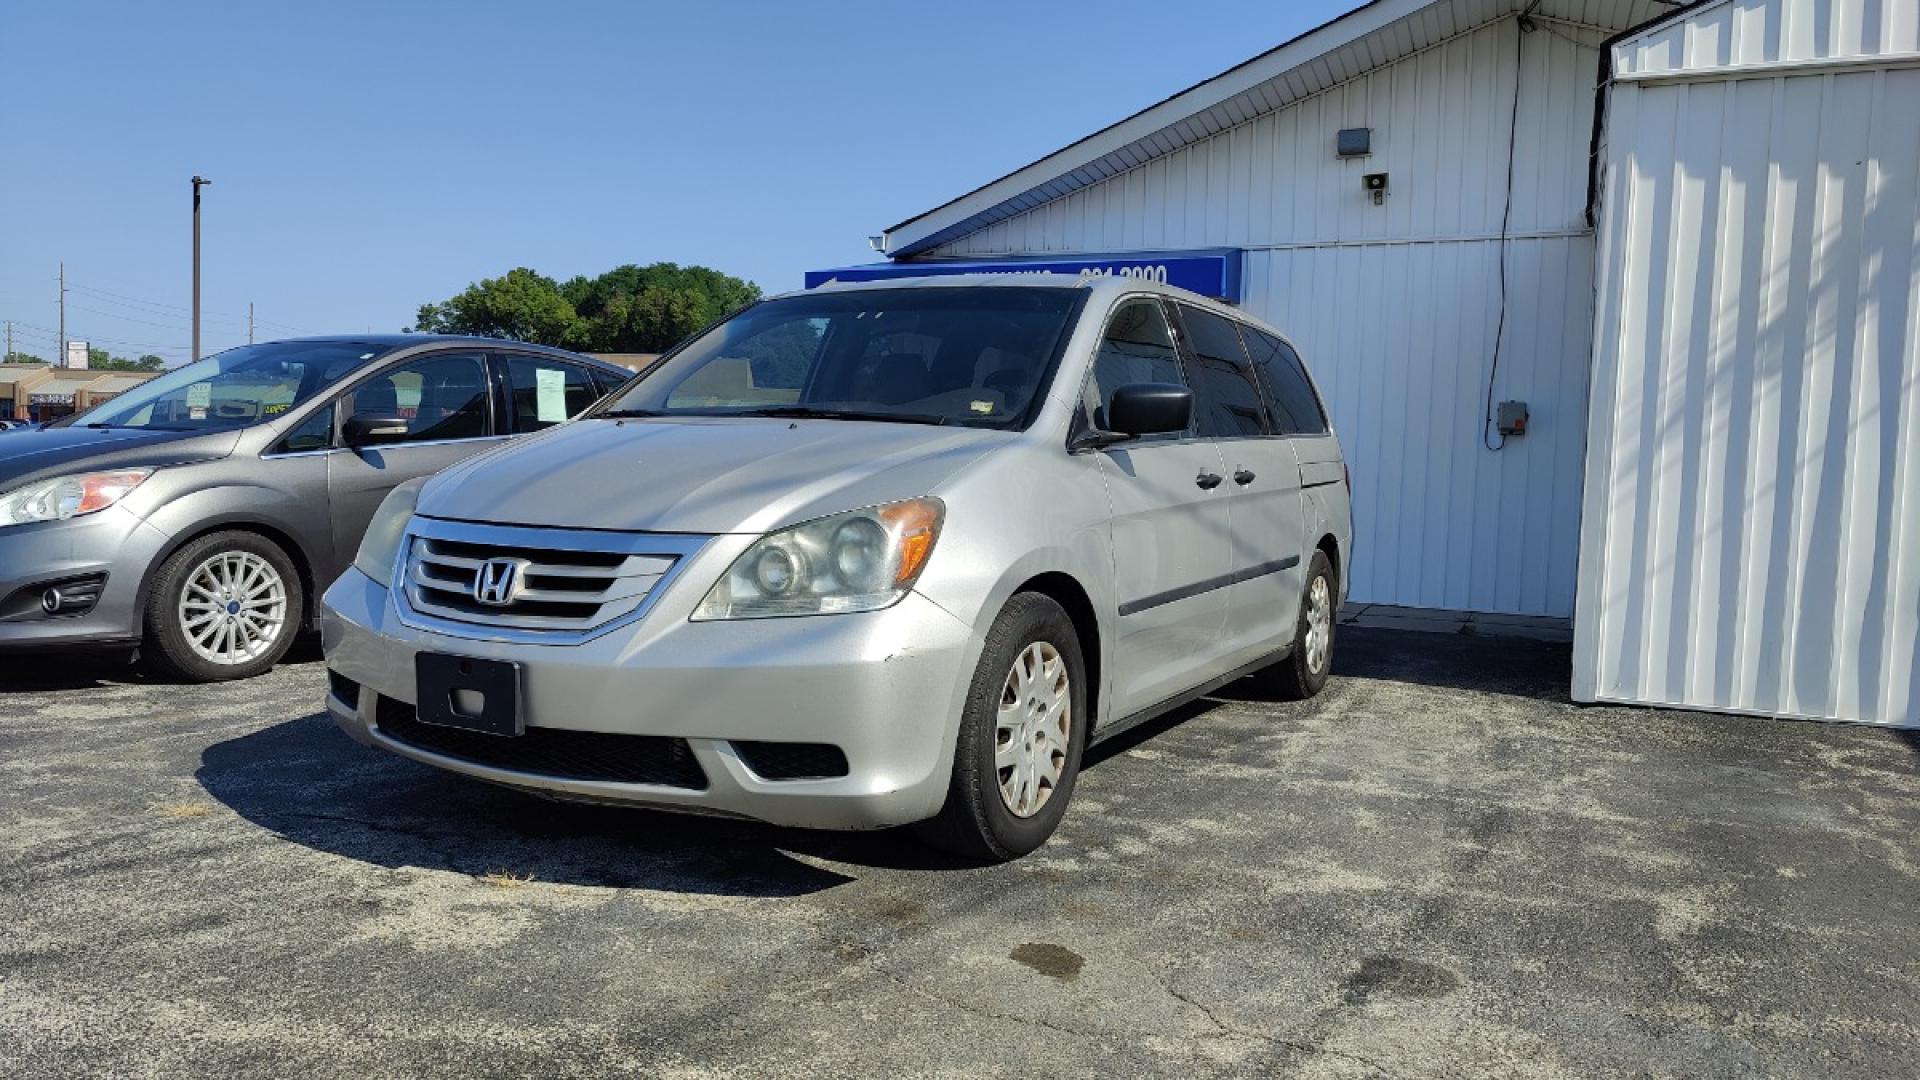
[1751, 538]
[1719, 475]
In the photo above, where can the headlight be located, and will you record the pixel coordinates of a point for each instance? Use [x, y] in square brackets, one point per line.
[381, 545]
[862, 560]
[68, 496]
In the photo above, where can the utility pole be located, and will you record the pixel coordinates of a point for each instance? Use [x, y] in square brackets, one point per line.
[198, 183]
[249, 322]
[60, 350]
[9, 357]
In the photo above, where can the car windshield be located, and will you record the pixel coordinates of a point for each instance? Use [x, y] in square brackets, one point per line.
[235, 388]
[975, 356]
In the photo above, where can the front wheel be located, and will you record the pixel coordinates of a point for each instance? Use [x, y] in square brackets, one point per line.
[1017, 754]
[226, 606]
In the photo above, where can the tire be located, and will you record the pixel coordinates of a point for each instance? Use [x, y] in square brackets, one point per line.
[189, 639]
[1304, 670]
[980, 820]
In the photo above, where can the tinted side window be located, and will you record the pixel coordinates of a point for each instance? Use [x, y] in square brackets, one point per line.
[314, 433]
[1137, 348]
[1297, 408]
[609, 381]
[1226, 397]
[440, 397]
[545, 392]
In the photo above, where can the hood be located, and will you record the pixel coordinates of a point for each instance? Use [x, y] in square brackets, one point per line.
[701, 474]
[31, 455]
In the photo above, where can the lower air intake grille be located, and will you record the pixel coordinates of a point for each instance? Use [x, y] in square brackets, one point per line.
[793, 760]
[569, 755]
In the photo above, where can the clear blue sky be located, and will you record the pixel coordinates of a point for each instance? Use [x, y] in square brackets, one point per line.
[369, 157]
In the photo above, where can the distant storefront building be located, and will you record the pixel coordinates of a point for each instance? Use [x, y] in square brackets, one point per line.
[41, 392]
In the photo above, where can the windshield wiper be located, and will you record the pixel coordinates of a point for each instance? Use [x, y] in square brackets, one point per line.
[133, 427]
[809, 412]
[625, 414]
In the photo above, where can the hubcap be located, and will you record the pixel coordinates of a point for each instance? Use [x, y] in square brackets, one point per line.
[1034, 725]
[233, 608]
[1319, 625]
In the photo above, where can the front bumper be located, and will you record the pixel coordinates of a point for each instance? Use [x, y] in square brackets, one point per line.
[113, 543]
[885, 687]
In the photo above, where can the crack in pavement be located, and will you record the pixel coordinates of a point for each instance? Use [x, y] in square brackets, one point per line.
[1310, 1049]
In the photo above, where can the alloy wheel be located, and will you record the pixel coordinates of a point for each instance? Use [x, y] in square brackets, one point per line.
[233, 608]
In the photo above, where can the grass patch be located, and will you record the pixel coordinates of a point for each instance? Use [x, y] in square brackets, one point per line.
[505, 879]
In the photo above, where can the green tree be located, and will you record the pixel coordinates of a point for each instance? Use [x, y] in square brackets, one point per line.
[630, 308]
[520, 304]
[23, 358]
[102, 360]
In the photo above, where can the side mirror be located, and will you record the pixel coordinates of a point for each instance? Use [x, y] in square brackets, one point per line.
[1149, 409]
[365, 428]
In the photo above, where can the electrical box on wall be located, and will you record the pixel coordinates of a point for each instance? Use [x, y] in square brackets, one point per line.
[1512, 418]
[1353, 142]
[1375, 184]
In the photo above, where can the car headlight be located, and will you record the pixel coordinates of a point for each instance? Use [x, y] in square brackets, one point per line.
[68, 496]
[381, 544]
[862, 560]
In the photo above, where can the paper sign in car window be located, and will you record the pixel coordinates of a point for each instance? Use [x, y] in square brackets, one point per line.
[199, 396]
[550, 395]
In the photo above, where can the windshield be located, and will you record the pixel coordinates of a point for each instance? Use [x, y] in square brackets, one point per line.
[976, 356]
[235, 388]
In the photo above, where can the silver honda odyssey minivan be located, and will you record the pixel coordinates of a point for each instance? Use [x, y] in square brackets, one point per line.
[864, 556]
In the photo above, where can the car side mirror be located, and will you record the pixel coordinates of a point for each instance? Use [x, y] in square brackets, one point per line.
[365, 428]
[1149, 409]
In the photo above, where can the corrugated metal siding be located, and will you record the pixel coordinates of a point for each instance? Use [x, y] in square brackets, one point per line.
[1736, 33]
[1439, 121]
[1398, 337]
[1426, 26]
[1396, 305]
[1752, 524]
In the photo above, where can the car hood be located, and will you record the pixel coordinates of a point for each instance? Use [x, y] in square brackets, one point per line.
[26, 456]
[701, 474]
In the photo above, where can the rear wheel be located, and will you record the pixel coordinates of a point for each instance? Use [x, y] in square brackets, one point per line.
[226, 606]
[1304, 671]
[1017, 754]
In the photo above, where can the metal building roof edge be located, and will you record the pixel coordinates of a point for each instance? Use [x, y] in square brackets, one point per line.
[1328, 36]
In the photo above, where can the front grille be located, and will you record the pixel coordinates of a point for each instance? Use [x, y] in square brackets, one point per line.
[566, 582]
[793, 760]
[568, 755]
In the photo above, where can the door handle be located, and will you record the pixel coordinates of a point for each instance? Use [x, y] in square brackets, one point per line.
[1243, 477]
[1207, 481]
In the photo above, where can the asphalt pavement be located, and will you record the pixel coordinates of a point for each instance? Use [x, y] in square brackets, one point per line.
[1438, 867]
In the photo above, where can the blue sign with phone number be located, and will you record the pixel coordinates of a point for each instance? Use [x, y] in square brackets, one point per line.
[1214, 272]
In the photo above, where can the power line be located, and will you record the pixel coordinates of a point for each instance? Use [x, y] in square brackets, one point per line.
[141, 307]
[164, 309]
[127, 318]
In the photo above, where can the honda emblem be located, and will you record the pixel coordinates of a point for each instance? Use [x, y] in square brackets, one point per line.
[497, 582]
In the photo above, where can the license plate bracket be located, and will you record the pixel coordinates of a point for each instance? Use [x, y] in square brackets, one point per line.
[469, 693]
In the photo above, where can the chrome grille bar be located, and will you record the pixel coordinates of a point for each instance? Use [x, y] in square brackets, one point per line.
[572, 584]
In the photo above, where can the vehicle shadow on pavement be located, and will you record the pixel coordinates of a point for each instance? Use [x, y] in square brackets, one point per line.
[84, 669]
[310, 784]
[1515, 667]
[39, 672]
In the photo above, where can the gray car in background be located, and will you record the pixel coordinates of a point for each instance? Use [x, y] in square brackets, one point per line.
[861, 557]
[198, 515]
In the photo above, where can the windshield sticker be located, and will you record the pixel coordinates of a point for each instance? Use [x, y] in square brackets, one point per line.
[550, 392]
[982, 406]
